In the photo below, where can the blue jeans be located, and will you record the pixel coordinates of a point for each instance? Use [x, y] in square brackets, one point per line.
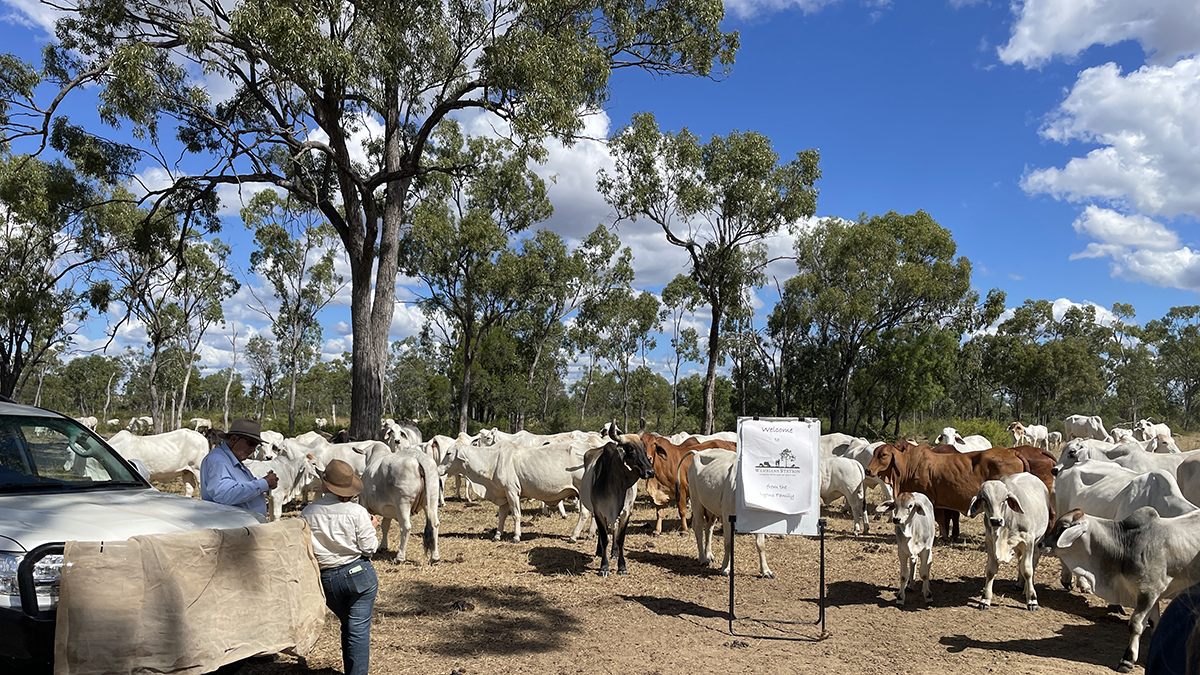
[350, 594]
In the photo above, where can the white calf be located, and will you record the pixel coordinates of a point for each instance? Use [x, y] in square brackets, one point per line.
[915, 527]
[1016, 512]
[974, 443]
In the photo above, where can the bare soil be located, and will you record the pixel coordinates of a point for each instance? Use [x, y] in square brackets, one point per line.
[538, 606]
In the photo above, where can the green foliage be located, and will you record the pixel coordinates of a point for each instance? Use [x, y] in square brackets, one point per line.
[718, 201]
[313, 70]
[858, 280]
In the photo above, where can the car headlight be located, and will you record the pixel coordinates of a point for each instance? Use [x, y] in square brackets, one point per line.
[47, 574]
[8, 574]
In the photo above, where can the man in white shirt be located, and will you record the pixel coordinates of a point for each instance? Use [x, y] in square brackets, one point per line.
[343, 538]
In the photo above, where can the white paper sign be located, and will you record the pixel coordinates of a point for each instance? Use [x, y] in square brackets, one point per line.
[777, 466]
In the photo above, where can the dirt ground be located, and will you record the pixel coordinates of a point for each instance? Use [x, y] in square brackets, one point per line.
[538, 606]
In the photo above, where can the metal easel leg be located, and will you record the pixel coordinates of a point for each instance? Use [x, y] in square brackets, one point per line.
[732, 567]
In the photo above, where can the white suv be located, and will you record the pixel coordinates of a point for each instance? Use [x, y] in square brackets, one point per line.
[61, 482]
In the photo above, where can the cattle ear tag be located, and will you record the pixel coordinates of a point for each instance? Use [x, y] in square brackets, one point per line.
[973, 509]
[1014, 504]
[1072, 533]
[885, 507]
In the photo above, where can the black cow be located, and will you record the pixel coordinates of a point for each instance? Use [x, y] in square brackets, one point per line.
[609, 486]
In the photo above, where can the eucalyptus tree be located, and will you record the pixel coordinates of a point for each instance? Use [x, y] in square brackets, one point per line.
[857, 279]
[48, 250]
[1177, 339]
[296, 256]
[87, 380]
[146, 274]
[263, 360]
[680, 297]
[203, 282]
[627, 330]
[460, 245]
[715, 201]
[336, 102]
[597, 265]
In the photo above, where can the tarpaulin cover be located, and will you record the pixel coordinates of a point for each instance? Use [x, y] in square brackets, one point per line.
[187, 602]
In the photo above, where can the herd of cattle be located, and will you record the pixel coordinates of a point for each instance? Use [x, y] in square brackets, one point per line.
[1117, 508]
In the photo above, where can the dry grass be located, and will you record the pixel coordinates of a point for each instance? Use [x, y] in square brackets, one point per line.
[538, 607]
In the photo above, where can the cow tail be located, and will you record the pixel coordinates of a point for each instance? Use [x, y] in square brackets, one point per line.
[432, 495]
[678, 468]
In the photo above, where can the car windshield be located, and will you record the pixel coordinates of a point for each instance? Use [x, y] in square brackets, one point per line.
[48, 453]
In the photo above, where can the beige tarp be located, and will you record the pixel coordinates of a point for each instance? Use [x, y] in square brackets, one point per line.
[187, 602]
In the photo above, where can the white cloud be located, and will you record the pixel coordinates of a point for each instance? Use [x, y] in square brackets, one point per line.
[745, 9]
[1166, 29]
[1125, 231]
[33, 14]
[1149, 124]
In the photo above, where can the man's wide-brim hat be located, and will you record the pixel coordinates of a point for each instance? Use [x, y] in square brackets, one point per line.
[246, 429]
[340, 479]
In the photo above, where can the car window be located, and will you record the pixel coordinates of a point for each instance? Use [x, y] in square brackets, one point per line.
[41, 452]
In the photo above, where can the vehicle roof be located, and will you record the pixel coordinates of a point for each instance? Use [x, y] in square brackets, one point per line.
[7, 408]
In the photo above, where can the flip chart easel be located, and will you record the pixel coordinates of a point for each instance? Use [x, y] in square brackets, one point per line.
[778, 488]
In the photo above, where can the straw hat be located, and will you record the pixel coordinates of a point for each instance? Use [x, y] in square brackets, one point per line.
[246, 429]
[340, 479]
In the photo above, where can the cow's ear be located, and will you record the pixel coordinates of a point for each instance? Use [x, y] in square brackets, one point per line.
[959, 439]
[973, 509]
[919, 509]
[1072, 533]
[660, 451]
[885, 507]
[1013, 504]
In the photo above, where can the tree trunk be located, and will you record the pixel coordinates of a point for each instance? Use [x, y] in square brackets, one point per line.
[108, 397]
[464, 401]
[710, 376]
[155, 416]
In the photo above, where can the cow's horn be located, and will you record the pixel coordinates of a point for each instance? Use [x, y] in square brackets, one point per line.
[612, 431]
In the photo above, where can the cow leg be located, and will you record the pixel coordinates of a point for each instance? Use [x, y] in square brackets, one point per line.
[926, 559]
[602, 545]
[619, 543]
[562, 508]
[191, 482]
[1066, 577]
[503, 516]
[953, 515]
[855, 501]
[943, 523]
[585, 517]
[385, 524]
[404, 520]
[990, 569]
[1146, 601]
[703, 531]
[1026, 551]
[514, 503]
[659, 511]
[727, 530]
[683, 520]
[760, 541]
[442, 494]
[905, 575]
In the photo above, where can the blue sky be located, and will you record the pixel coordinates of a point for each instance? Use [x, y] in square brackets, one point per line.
[1059, 144]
